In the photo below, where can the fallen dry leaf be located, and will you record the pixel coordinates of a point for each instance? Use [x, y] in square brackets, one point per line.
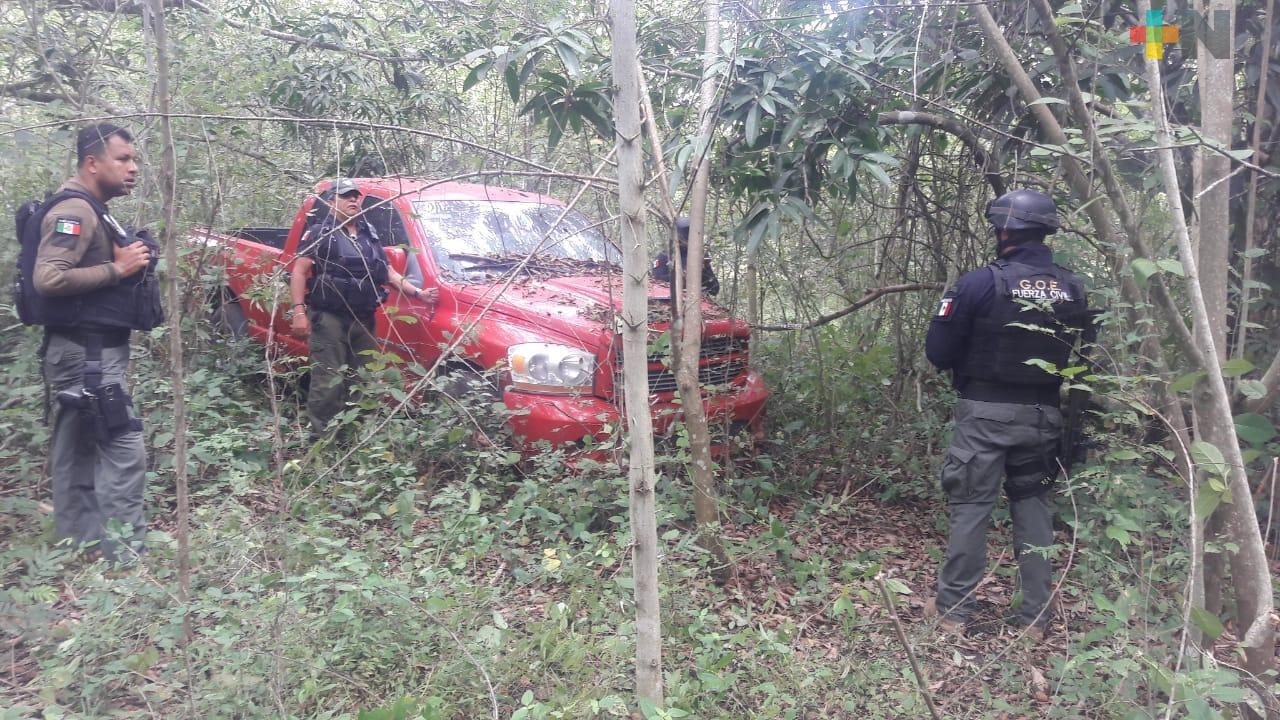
[1039, 685]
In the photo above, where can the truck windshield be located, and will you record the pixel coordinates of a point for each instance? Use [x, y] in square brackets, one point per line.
[478, 236]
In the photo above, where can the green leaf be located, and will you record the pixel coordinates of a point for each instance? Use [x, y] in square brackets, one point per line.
[1170, 265]
[884, 159]
[1044, 365]
[1118, 534]
[1186, 382]
[843, 606]
[897, 586]
[753, 124]
[1253, 389]
[512, 77]
[1236, 367]
[570, 58]
[1254, 428]
[1198, 708]
[1208, 623]
[878, 173]
[1228, 694]
[1047, 101]
[1143, 269]
[1209, 456]
[1207, 500]
[476, 75]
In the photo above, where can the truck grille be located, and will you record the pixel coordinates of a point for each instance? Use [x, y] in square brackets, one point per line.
[724, 361]
[714, 374]
[714, 347]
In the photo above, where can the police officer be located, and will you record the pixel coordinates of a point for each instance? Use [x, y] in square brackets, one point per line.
[994, 320]
[336, 286]
[90, 285]
[662, 265]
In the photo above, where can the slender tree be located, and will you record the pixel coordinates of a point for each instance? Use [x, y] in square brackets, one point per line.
[635, 350]
[1251, 574]
[706, 501]
[173, 286]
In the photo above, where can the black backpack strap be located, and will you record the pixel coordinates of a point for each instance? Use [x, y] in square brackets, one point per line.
[998, 271]
[47, 204]
[61, 195]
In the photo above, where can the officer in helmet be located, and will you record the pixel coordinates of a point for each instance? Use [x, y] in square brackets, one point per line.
[662, 265]
[995, 319]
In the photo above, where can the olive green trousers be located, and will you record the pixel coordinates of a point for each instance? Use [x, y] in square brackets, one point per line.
[339, 344]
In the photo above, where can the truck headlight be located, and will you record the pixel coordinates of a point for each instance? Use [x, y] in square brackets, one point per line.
[550, 368]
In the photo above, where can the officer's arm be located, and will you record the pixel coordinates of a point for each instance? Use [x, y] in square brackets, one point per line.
[948, 338]
[66, 233]
[401, 283]
[662, 269]
[710, 284]
[300, 272]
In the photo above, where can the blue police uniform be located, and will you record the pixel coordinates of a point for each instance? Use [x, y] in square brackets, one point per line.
[1007, 420]
[343, 294]
[662, 272]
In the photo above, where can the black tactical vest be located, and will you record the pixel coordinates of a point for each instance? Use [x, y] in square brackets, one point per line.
[1037, 313]
[349, 271]
[133, 303]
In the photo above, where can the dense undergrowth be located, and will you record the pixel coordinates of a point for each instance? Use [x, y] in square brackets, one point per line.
[417, 567]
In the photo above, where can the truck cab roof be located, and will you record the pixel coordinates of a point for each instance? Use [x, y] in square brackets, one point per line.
[433, 189]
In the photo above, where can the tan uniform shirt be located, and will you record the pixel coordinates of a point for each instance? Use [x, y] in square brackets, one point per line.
[75, 251]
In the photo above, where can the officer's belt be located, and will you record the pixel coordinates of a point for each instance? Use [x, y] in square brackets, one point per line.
[1021, 394]
[102, 337]
[94, 341]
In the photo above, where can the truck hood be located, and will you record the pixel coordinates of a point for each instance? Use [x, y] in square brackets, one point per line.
[575, 305]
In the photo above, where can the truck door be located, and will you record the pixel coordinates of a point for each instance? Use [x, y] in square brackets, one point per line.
[402, 321]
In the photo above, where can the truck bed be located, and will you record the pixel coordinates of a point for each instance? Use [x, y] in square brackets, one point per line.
[270, 236]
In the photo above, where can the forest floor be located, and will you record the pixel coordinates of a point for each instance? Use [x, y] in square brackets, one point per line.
[468, 588]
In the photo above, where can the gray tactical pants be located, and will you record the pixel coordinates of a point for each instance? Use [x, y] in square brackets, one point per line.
[993, 441]
[337, 344]
[94, 483]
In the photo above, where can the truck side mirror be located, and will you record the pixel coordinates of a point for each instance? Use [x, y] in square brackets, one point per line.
[397, 259]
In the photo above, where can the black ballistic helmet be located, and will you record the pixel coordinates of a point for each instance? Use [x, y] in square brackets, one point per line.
[682, 228]
[1024, 210]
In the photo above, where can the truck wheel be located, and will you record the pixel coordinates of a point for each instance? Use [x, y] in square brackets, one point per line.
[468, 382]
[227, 317]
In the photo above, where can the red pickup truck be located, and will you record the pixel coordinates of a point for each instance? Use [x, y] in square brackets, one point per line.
[550, 330]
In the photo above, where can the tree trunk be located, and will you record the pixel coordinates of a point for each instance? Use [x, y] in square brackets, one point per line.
[635, 351]
[173, 288]
[1251, 204]
[706, 501]
[1250, 572]
[1217, 91]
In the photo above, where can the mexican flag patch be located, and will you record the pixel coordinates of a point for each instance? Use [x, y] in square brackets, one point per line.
[66, 226]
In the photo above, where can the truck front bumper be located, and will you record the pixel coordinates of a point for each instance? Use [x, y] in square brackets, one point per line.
[565, 419]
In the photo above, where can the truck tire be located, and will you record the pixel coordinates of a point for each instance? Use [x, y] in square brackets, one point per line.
[227, 317]
[464, 381]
